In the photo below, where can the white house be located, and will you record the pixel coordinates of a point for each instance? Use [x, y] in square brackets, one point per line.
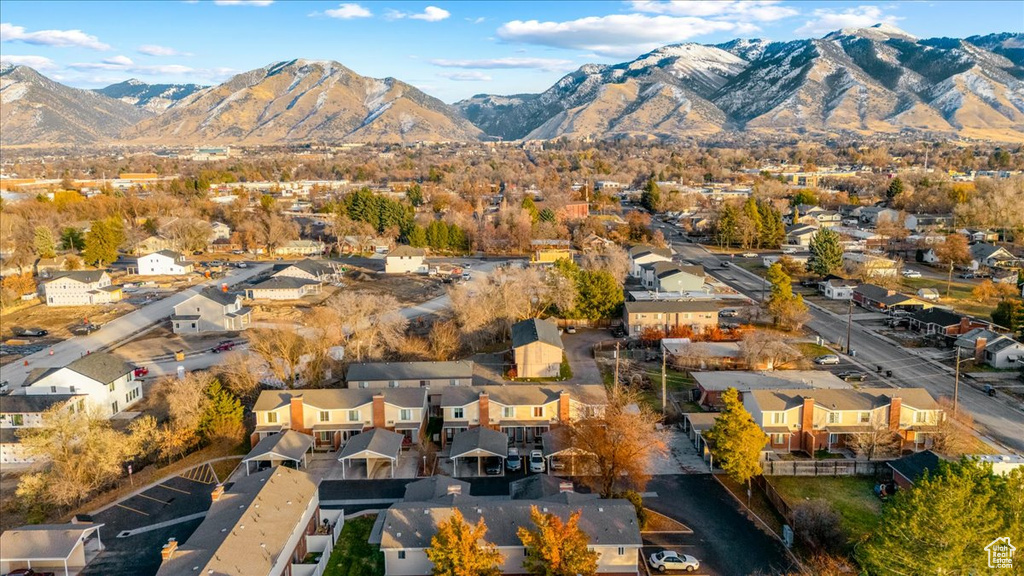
[19, 411]
[1004, 352]
[81, 288]
[640, 255]
[990, 256]
[837, 288]
[107, 382]
[319, 270]
[163, 263]
[800, 234]
[283, 288]
[405, 259]
[874, 266]
[219, 231]
[211, 311]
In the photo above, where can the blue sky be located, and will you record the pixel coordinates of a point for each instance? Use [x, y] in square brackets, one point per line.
[451, 50]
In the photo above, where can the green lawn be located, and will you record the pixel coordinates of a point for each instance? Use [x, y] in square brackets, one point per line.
[960, 297]
[810, 350]
[352, 555]
[851, 496]
[675, 381]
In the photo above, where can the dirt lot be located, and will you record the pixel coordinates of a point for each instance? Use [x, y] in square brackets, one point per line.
[161, 341]
[57, 321]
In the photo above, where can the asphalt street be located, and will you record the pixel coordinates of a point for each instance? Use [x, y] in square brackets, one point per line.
[993, 417]
[116, 330]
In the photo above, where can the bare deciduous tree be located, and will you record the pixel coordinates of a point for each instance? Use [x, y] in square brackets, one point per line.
[764, 348]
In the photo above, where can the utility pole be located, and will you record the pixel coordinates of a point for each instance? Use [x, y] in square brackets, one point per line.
[956, 383]
[615, 388]
[849, 325]
[664, 386]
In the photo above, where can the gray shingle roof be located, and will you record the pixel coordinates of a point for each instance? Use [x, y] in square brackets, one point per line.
[290, 445]
[1001, 344]
[42, 541]
[176, 256]
[101, 367]
[642, 250]
[433, 487]
[342, 398]
[912, 467]
[237, 537]
[374, 371]
[218, 296]
[283, 283]
[413, 524]
[535, 330]
[844, 399]
[314, 267]
[670, 307]
[83, 276]
[32, 403]
[937, 316]
[378, 441]
[469, 442]
[406, 252]
[525, 394]
[718, 381]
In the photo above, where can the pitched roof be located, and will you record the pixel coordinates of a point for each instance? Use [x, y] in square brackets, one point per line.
[168, 253]
[101, 367]
[525, 394]
[407, 252]
[238, 535]
[914, 466]
[434, 487]
[314, 267]
[218, 296]
[937, 316]
[412, 524]
[32, 403]
[774, 380]
[42, 541]
[371, 371]
[643, 250]
[541, 486]
[341, 398]
[283, 283]
[475, 440]
[289, 445]
[971, 337]
[535, 330]
[981, 250]
[83, 276]
[1000, 344]
[377, 441]
[844, 399]
[670, 307]
[665, 269]
[876, 293]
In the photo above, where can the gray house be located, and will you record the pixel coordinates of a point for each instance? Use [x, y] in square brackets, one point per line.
[211, 311]
[672, 277]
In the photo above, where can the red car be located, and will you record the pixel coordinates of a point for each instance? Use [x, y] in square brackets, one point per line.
[224, 346]
[141, 371]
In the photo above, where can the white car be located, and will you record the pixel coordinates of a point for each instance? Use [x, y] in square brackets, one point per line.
[789, 250]
[911, 274]
[749, 255]
[827, 359]
[668, 560]
[536, 461]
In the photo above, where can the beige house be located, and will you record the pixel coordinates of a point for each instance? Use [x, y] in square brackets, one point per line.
[666, 315]
[809, 420]
[300, 248]
[18, 411]
[81, 288]
[537, 349]
[334, 415]
[405, 260]
[523, 412]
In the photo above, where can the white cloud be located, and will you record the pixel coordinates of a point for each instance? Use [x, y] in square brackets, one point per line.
[37, 62]
[155, 50]
[466, 76]
[119, 61]
[348, 11]
[615, 35]
[243, 2]
[550, 64]
[745, 10]
[124, 64]
[827, 20]
[429, 14]
[478, 20]
[61, 38]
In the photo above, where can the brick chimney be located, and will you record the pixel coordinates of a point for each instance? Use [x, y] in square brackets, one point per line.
[217, 493]
[297, 413]
[379, 419]
[807, 426]
[485, 410]
[965, 325]
[895, 406]
[979, 349]
[169, 549]
[564, 414]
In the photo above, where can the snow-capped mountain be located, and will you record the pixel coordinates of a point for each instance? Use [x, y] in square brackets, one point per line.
[303, 101]
[153, 97]
[863, 80]
[38, 111]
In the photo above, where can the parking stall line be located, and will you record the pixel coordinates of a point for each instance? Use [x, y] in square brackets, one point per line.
[164, 502]
[131, 509]
[175, 489]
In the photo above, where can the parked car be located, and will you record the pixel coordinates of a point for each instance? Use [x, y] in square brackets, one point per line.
[827, 359]
[571, 329]
[853, 376]
[224, 346]
[536, 461]
[141, 371]
[514, 462]
[789, 250]
[749, 255]
[492, 466]
[618, 332]
[966, 275]
[911, 273]
[557, 464]
[730, 325]
[242, 265]
[84, 329]
[668, 560]
[237, 252]
[31, 332]
[728, 313]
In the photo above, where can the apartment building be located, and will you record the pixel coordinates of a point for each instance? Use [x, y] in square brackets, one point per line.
[666, 315]
[106, 381]
[19, 411]
[81, 288]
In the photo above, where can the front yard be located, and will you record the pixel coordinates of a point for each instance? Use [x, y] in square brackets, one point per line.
[851, 496]
[353, 555]
[960, 297]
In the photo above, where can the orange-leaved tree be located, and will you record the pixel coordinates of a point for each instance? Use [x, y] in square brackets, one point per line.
[557, 548]
[459, 549]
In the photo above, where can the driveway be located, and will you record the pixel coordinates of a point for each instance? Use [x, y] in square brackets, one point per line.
[579, 349]
[721, 528]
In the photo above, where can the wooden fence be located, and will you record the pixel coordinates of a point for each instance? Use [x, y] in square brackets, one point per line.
[774, 498]
[824, 467]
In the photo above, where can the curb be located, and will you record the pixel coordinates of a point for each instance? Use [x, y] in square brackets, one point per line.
[789, 552]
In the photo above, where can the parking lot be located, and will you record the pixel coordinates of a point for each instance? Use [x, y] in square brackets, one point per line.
[135, 529]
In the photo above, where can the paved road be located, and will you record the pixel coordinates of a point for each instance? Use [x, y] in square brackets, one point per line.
[116, 330]
[993, 417]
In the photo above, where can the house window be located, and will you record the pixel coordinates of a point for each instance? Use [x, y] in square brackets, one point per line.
[920, 417]
[458, 413]
[508, 412]
[833, 418]
[393, 384]
[401, 554]
[72, 389]
[113, 407]
[53, 389]
[622, 550]
[865, 417]
[538, 411]
[778, 417]
[424, 383]
[354, 416]
[454, 382]
[405, 414]
[325, 416]
[271, 417]
[778, 438]
[364, 384]
[17, 419]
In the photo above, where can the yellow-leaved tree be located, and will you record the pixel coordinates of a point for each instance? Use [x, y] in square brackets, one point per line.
[557, 548]
[459, 549]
